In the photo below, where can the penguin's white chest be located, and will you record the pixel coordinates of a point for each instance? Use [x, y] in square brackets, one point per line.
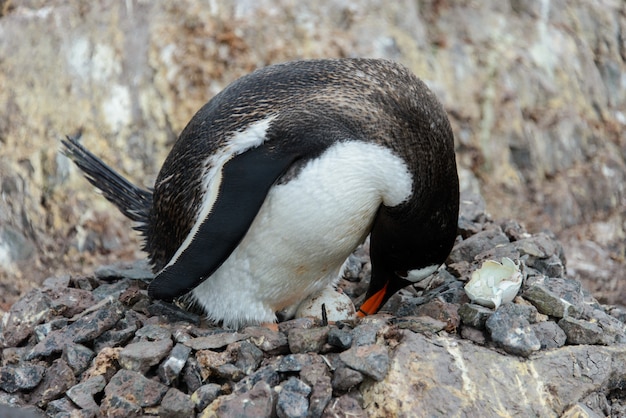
[303, 233]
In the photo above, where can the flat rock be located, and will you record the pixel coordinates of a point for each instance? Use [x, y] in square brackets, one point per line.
[482, 241]
[141, 356]
[170, 369]
[269, 341]
[345, 378]
[549, 334]
[218, 340]
[445, 376]
[474, 315]
[23, 316]
[556, 297]
[82, 394]
[371, 360]
[579, 331]
[58, 379]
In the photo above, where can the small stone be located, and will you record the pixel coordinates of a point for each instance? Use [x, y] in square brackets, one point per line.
[170, 369]
[228, 371]
[58, 379]
[105, 363]
[172, 313]
[141, 356]
[579, 331]
[344, 406]
[297, 323]
[555, 296]
[23, 377]
[135, 388]
[68, 302]
[153, 333]
[315, 374]
[136, 270]
[176, 404]
[214, 341]
[192, 374]
[549, 334]
[117, 405]
[468, 249]
[210, 360]
[114, 338]
[248, 356]
[111, 290]
[292, 399]
[61, 408]
[78, 357]
[82, 394]
[441, 311]
[474, 315]
[551, 266]
[421, 324]
[364, 334]
[270, 342]
[340, 338]
[473, 334]
[23, 316]
[292, 362]
[307, 340]
[510, 329]
[345, 378]
[205, 394]
[371, 360]
[266, 374]
[255, 403]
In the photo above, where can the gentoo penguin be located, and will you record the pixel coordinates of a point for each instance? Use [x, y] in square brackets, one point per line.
[279, 177]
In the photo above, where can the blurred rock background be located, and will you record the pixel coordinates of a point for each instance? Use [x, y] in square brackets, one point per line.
[535, 90]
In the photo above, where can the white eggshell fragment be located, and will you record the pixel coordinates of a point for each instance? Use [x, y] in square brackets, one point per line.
[339, 306]
[494, 284]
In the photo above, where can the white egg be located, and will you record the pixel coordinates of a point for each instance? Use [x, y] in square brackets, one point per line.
[494, 284]
[338, 306]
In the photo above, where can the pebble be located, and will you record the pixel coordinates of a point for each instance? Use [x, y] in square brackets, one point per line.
[557, 297]
[344, 406]
[340, 337]
[371, 360]
[214, 341]
[16, 378]
[142, 355]
[307, 340]
[474, 315]
[23, 316]
[135, 388]
[549, 334]
[510, 329]
[176, 404]
[205, 394]
[293, 399]
[82, 394]
[579, 331]
[255, 403]
[57, 380]
[345, 379]
[170, 369]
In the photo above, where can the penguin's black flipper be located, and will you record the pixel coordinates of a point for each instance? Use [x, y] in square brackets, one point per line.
[246, 179]
[134, 202]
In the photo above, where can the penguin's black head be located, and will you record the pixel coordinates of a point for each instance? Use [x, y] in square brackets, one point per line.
[409, 244]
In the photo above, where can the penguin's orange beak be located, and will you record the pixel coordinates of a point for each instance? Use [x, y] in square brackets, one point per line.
[373, 303]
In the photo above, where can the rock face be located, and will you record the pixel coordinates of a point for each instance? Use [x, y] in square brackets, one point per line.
[535, 92]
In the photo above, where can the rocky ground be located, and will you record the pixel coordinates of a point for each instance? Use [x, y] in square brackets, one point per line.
[82, 346]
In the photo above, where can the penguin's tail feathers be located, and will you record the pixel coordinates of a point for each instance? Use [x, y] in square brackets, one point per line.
[134, 202]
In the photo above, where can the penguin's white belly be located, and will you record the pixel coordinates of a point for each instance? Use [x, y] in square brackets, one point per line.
[303, 233]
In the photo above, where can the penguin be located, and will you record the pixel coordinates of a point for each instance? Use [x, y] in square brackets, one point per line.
[279, 177]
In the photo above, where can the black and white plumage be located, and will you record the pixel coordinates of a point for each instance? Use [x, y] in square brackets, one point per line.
[278, 178]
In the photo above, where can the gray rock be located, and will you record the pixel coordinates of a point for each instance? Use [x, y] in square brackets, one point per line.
[176, 404]
[24, 377]
[345, 378]
[321, 394]
[269, 341]
[474, 315]
[468, 249]
[307, 340]
[63, 408]
[205, 394]
[170, 369]
[365, 334]
[114, 338]
[23, 316]
[556, 297]
[509, 327]
[214, 341]
[345, 406]
[340, 337]
[7, 411]
[82, 394]
[228, 371]
[117, 405]
[423, 324]
[473, 334]
[78, 357]
[68, 302]
[255, 403]
[293, 399]
[549, 334]
[136, 270]
[111, 290]
[134, 388]
[292, 362]
[152, 333]
[579, 331]
[141, 356]
[192, 374]
[248, 356]
[371, 360]
[58, 379]
[297, 323]
[172, 312]
[265, 374]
